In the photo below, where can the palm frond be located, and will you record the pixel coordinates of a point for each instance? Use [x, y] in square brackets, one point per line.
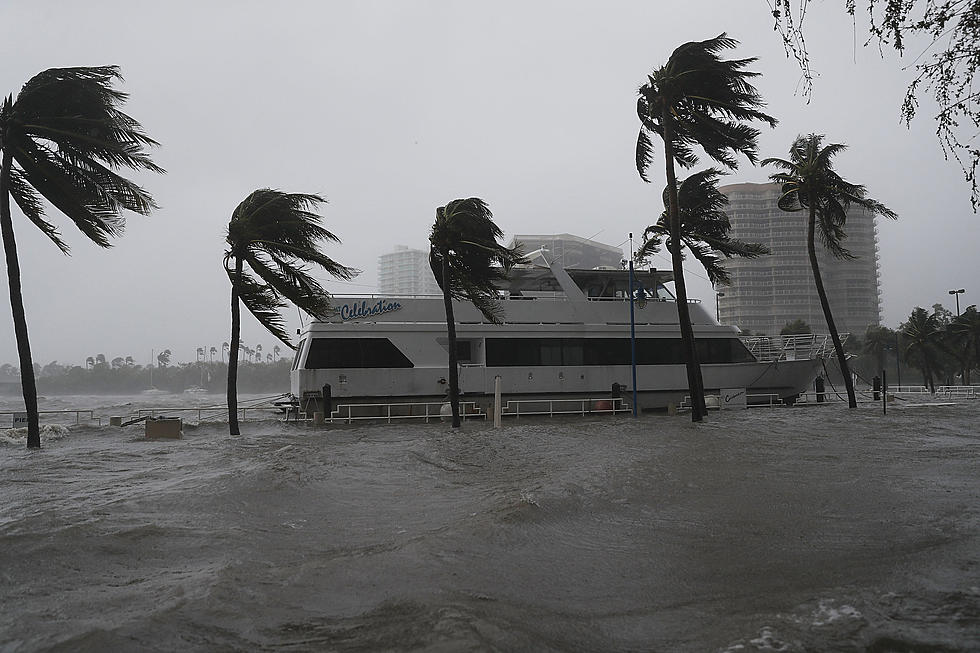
[278, 235]
[710, 101]
[30, 205]
[68, 135]
[263, 303]
[644, 154]
[464, 237]
[808, 177]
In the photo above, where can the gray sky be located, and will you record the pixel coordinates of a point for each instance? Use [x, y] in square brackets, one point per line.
[392, 108]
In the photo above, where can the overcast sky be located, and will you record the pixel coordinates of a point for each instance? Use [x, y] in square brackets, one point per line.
[392, 108]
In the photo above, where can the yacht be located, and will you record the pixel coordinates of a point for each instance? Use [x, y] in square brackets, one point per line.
[565, 333]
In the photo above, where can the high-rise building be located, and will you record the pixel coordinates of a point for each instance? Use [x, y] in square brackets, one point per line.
[573, 252]
[406, 271]
[770, 291]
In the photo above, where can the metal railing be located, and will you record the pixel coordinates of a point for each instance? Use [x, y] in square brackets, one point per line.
[551, 407]
[76, 412]
[783, 348]
[959, 391]
[389, 412]
[759, 400]
[349, 413]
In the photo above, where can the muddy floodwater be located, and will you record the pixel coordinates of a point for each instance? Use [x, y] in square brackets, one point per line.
[793, 529]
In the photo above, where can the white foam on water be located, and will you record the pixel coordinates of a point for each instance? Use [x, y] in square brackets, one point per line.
[49, 433]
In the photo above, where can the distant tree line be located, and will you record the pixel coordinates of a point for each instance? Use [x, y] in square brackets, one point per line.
[128, 378]
[929, 348]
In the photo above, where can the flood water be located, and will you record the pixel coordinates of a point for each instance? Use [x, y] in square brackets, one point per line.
[793, 529]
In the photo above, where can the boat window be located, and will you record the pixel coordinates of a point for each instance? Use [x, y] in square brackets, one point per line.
[464, 351]
[503, 352]
[343, 353]
[299, 350]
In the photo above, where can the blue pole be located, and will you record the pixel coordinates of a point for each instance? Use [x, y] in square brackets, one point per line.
[632, 330]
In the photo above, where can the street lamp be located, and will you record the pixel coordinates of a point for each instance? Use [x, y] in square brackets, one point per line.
[957, 293]
[718, 306]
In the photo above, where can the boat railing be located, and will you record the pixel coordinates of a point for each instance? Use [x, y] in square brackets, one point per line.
[468, 410]
[424, 410]
[807, 346]
[551, 407]
[755, 400]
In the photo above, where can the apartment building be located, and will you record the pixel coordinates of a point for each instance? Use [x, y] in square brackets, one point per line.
[406, 271]
[770, 291]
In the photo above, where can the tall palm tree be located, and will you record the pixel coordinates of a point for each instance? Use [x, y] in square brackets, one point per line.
[810, 183]
[277, 235]
[921, 335]
[696, 99]
[704, 227]
[63, 140]
[467, 260]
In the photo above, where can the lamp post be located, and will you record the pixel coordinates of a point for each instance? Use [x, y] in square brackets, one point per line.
[718, 306]
[632, 328]
[957, 293]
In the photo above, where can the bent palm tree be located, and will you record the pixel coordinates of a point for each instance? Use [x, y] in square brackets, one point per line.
[696, 99]
[276, 235]
[63, 139]
[810, 183]
[704, 227]
[466, 260]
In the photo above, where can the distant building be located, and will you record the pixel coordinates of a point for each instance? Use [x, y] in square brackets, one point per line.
[769, 291]
[406, 272]
[573, 251]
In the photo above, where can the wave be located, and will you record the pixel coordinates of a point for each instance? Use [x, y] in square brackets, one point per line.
[49, 433]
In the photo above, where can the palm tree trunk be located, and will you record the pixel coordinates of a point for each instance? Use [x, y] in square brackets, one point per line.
[694, 380]
[825, 305]
[17, 307]
[451, 329]
[236, 325]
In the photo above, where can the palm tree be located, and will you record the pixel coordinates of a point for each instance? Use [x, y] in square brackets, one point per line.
[966, 328]
[224, 348]
[89, 362]
[275, 351]
[467, 260]
[213, 352]
[63, 140]
[163, 358]
[704, 227]
[810, 183]
[276, 235]
[921, 334]
[696, 99]
[878, 340]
